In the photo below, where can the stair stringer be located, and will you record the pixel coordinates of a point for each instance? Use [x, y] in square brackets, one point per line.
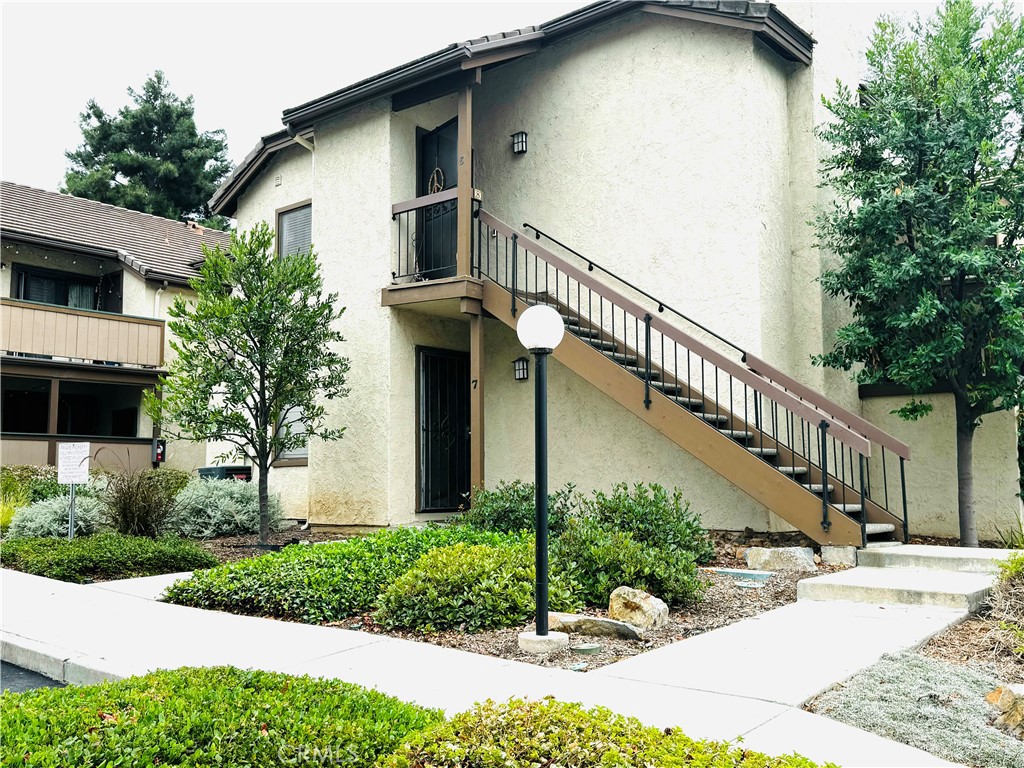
[727, 458]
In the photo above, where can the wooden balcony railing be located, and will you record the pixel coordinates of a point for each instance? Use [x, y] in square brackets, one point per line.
[80, 335]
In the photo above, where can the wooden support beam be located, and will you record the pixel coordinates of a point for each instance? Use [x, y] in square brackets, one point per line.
[476, 401]
[464, 151]
[51, 422]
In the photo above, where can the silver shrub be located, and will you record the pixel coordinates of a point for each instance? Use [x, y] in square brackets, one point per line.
[49, 518]
[206, 509]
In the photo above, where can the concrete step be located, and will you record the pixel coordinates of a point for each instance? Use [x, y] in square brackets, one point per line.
[899, 586]
[622, 359]
[882, 545]
[713, 418]
[638, 371]
[874, 529]
[583, 333]
[764, 453]
[603, 346]
[736, 434]
[959, 559]
[792, 471]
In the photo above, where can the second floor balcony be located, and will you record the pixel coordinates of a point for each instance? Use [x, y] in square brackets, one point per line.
[47, 331]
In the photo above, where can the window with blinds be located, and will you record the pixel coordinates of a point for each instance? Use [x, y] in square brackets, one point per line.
[52, 287]
[295, 231]
[294, 235]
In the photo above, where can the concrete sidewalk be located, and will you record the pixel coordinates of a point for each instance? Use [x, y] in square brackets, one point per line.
[82, 634]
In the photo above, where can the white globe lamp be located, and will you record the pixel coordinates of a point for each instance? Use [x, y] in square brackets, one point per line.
[540, 327]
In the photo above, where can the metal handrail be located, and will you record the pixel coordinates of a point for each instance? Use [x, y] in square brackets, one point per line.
[827, 408]
[662, 306]
[745, 375]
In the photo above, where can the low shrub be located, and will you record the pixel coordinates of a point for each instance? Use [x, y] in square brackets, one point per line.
[601, 559]
[470, 587]
[103, 556]
[206, 717]
[205, 509]
[39, 482]
[139, 502]
[321, 582]
[49, 517]
[653, 516]
[548, 732]
[511, 507]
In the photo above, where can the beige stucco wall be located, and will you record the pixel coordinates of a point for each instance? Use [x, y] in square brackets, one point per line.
[932, 474]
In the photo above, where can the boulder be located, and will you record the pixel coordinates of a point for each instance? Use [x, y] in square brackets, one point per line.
[638, 608]
[838, 555]
[593, 626]
[1010, 705]
[781, 559]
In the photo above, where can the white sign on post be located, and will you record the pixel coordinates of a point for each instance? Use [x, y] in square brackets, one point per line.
[72, 463]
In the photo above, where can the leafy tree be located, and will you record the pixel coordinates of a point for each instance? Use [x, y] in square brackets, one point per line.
[149, 156]
[254, 355]
[925, 160]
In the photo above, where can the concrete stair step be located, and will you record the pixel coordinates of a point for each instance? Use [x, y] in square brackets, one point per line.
[638, 371]
[881, 545]
[764, 453]
[900, 586]
[713, 418]
[791, 471]
[737, 434]
[817, 488]
[875, 529]
[583, 333]
[959, 559]
[603, 346]
[853, 510]
[621, 359]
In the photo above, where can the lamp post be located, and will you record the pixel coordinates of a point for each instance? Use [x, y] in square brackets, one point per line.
[540, 329]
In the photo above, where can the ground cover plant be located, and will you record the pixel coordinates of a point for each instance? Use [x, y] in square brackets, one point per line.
[548, 732]
[206, 717]
[103, 556]
[323, 582]
[471, 587]
[1007, 606]
[928, 704]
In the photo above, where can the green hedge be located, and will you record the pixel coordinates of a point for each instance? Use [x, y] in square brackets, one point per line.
[550, 732]
[205, 717]
[471, 587]
[321, 582]
[103, 556]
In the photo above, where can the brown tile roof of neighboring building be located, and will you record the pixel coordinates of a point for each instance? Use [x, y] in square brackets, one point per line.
[156, 248]
[763, 20]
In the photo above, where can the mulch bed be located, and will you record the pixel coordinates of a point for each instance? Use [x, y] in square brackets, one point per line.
[229, 549]
[724, 603]
[970, 643]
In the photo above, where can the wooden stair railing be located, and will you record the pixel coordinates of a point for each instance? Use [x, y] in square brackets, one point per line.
[804, 458]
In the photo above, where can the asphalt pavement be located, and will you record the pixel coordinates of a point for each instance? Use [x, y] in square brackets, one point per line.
[16, 679]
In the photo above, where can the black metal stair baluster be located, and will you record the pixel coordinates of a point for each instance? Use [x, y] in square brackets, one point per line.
[825, 522]
[515, 271]
[647, 361]
[903, 485]
[863, 505]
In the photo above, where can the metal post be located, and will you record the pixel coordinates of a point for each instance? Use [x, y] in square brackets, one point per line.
[71, 515]
[515, 271]
[863, 507]
[541, 482]
[647, 361]
[903, 485]
[823, 428]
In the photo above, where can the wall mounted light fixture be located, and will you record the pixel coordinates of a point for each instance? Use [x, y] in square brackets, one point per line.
[519, 143]
[521, 367]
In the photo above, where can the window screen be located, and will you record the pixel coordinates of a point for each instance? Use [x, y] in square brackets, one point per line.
[295, 231]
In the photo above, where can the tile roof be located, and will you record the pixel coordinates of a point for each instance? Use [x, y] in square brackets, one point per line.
[155, 247]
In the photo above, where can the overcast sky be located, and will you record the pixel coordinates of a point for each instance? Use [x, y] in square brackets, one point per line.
[244, 62]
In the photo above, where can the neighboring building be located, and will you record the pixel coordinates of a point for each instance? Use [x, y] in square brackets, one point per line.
[85, 287]
[671, 142]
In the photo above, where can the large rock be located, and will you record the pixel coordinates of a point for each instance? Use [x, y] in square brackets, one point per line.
[781, 559]
[638, 608]
[838, 555]
[593, 626]
[1010, 704]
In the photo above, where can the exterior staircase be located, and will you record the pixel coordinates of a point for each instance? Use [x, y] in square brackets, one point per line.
[803, 457]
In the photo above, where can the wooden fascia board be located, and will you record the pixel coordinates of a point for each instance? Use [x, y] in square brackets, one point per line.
[52, 369]
[720, 454]
[500, 56]
[431, 290]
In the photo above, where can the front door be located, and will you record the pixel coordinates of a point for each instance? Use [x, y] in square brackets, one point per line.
[443, 429]
[438, 170]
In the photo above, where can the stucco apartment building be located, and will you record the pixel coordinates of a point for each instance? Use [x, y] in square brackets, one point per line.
[648, 169]
[84, 292]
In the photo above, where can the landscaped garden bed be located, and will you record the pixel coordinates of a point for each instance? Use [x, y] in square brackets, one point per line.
[233, 718]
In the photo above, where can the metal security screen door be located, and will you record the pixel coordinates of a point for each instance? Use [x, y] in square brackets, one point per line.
[438, 171]
[443, 429]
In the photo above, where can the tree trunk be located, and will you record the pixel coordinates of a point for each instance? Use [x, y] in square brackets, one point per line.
[965, 473]
[264, 505]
